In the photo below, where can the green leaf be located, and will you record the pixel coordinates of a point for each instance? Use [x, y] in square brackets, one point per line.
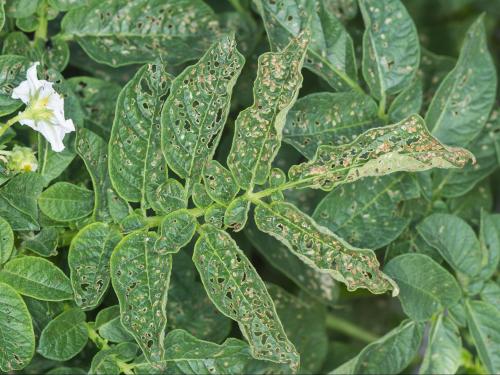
[455, 240]
[50, 163]
[65, 336]
[177, 229]
[189, 307]
[6, 241]
[456, 183]
[482, 319]
[140, 272]
[408, 102]
[63, 370]
[214, 215]
[168, 197]
[233, 285]
[381, 356]
[464, 99]
[405, 146]
[444, 347]
[42, 312]
[391, 49]
[2, 14]
[219, 182]
[94, 152]
[366, 213]
[88, 260]
[489, 239]
[107, 361]
[188, 355]
[12, 73]
[328, 118]
[259, 128]
[65, 5]
[136, 163]
[44, 243]
[330, 53]
[317, 284]
[119, 32]
[97, 99]
[304, 324]
[200, 196]
[64, 201]
[18, 201]
[38, 278]
[109, 326]
[491, 293]
[195, 112]
[17, 340]
[236, 214]
[425, 287]
[321, 249]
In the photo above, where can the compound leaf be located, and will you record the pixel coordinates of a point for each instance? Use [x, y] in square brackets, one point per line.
[38, 278]
[405, 146]
[196, 110]
[65, 336]
[233, 285]
[64, 201]
[88, 260]
[140, 272]
[6, 241]
[425, 287]
[330, 53]
[328, 118]
[482, 319]
[365, 213]
[321, 249]
[18, 339]
[259, 128]
[391, 49]
[464, 99]
[120, 32]
[444, 347]
[455, 240]
[136, 163]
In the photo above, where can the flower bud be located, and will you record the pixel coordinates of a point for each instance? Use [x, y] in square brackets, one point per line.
[22, 159]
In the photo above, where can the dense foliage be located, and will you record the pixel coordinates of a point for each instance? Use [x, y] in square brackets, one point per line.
[266, 186]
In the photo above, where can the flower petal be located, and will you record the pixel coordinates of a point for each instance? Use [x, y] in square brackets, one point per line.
[54, 134]
[22, 92]
[32, 78]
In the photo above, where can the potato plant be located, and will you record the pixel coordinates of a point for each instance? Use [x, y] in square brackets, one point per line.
[249, 186]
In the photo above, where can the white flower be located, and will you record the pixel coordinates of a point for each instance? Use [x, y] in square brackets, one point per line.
[44, 109]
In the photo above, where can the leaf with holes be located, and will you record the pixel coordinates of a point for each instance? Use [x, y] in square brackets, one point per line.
[259, 128]
[17, 340]
[219, 182]
[328, 118]
[168, 197]
[38, 278]
[18, 199]
[321, 249]
[330, 53]
[425, 287]
[234, 286]
[136, 163]
[196, 110]
[64, 201]
[405, 146]
[140, 272]
[177, 229]
[88, 260]
[12, 73]
[366, 212]
[463, 101]
[119, 32]
[65, 336]
[391, 49]
[6, 240]
[94, 152]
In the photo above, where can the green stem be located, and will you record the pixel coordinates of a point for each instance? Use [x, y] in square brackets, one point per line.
[340, 325]
[96, 338]
[8, 124]
[125, 368]
[381, 109]
[43, 23]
